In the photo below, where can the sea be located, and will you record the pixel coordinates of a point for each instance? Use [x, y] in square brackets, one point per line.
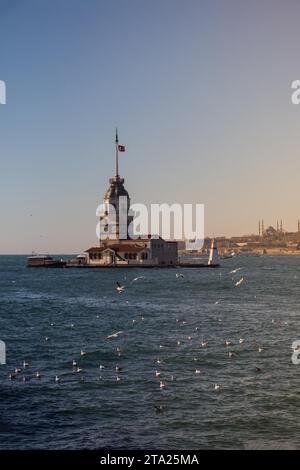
[173, 326]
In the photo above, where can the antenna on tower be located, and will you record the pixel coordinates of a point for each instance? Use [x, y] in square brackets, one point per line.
[117, 155]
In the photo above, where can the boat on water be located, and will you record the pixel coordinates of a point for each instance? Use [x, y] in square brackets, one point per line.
[44, 261]
[213, 259]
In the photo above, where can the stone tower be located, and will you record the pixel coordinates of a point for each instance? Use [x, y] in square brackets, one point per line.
[114, 223]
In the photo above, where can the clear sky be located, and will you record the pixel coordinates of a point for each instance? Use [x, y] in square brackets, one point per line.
[199, 89]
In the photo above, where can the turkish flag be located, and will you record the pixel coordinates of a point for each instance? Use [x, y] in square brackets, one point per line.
[121, 148]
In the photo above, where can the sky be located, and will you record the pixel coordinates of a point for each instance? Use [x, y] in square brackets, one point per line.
[200, 91]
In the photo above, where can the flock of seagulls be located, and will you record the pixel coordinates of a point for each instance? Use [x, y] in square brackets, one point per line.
[160, 363]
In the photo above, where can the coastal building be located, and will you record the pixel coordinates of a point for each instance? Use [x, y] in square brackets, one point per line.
[115, 247]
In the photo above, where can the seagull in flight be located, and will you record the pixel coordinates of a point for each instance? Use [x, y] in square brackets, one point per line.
[114, 335]
[235, 270]
[179, 275]
[137, 278]
[120, 289]
[238, 283]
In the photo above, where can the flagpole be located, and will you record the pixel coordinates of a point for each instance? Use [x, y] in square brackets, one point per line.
[117, 155]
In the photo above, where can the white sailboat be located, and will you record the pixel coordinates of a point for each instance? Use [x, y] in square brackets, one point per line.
[213, 259]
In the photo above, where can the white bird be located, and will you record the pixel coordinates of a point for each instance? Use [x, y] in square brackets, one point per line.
[231, 354]
[18, 370]
[137, 278]
[197, 371]
[120, 289]
[25, 364]
[78, 369]
[56, 379]
[157, 373]
[162, 385]
[118, 378]
[217, 386]
[114, 335]
[241, 340]
[102, 366]
[235, 270]
[38, 375]
[74, 363]
[179, 275]
[218, 301]
[82, 353]
[238, 283]
[228, 343]
[158, 361]
[118, 369]
[260, 349]
[204, 344]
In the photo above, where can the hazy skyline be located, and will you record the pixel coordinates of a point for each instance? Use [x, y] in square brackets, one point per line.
[201, 94]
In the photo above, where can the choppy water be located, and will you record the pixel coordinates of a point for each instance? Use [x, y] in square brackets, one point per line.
[251, 410]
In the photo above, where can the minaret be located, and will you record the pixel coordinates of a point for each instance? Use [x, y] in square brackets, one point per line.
[262, 228]
[281, 226]
[116, 196]
[298, 225]
[277, 227]
[259, 231]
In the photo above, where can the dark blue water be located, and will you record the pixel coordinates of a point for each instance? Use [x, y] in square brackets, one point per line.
[91, 409]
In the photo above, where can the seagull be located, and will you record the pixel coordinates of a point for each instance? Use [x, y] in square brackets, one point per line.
[231, 354]
[238, 283]
[217, 387]
[18, 370]
[118, 369]
[241, 340]
[102, 366]
[158, 361]
[74, 363]
[162, 385]
[47, 339]
[218, 301]
[120, 289]
[157, 374]
[190, 337]
[78, 369]
[235, 270]
[38, 375]
[179, 275]
[260, 349]
[114, 335]
[204, 344]
[257, 369]
[197, 371]
[82, 353]
[11, 376]
[137, 278]
[56, 379]
[25, 364]
[118, 378]
[228, 343]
